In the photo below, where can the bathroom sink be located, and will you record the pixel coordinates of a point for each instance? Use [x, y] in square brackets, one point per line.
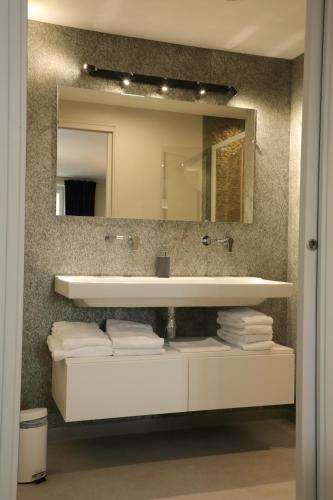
[182, 291]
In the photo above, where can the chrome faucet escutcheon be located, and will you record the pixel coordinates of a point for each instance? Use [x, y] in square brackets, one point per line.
[227, 242]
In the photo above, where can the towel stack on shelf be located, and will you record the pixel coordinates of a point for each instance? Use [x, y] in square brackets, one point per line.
[198, 344]
[133, 339]
[77, 340]
[246, 328]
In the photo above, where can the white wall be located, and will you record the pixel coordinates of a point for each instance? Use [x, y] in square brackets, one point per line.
[137, 172]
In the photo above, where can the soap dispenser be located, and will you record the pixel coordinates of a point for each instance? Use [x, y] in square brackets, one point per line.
[163, 265]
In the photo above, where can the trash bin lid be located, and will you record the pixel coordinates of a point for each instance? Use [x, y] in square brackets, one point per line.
[33, 414]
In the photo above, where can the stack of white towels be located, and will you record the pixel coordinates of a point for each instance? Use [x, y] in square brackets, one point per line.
[246, 328]
[123, 338]
[77, 340]
[129, 338]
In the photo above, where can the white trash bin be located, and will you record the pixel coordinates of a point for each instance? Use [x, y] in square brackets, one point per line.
[32, 445]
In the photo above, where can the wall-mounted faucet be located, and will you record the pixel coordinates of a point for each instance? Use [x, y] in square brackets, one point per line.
[132, 239]
[227, 242]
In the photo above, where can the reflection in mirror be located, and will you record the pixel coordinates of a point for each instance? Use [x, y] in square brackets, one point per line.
[131, 157]
[81, 172]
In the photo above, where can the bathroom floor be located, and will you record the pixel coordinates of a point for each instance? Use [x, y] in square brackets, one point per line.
[251, 461]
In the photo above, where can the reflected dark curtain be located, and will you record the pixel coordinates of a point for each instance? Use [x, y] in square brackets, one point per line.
[80, 197]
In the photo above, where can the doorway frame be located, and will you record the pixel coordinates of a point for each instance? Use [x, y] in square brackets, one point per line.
[13, 63]
[324, 380]
[314, 481]
[306, 387]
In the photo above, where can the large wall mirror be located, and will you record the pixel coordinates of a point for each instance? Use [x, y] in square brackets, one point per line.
[136, 157]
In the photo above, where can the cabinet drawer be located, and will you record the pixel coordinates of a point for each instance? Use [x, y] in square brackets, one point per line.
[241, 381]
[89, 390]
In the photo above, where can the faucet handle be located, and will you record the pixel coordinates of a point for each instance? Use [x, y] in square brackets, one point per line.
[133, 241]
[206, 240]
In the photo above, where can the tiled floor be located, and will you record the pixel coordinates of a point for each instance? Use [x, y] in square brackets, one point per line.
[252, 461]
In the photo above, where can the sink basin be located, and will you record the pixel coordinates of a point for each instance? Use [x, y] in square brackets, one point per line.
[150, 291]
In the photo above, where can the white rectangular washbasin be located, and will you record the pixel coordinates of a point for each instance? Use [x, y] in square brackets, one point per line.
[182, 291]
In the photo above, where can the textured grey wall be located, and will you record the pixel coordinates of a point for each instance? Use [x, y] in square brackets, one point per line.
[294, 190]
[76, 245]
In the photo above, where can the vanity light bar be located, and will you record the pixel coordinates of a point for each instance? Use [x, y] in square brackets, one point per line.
[163, 83]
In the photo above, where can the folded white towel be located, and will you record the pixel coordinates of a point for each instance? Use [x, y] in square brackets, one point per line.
[131, 335]
[245, 315]
[120, 325]
[245, 339]
[137, 352]
[254, 346]
[59, 354]
[257, 346]
[200, 345]
[75, 335]
[80, 337]
[241, 329]
[74, 325]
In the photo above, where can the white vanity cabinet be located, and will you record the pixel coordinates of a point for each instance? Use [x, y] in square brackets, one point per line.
[236, 380]
[110, 387]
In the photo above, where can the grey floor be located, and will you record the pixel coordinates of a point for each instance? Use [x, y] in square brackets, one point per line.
[251, 461]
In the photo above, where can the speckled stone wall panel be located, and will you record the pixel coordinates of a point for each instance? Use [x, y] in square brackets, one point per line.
[57, 245]
[294, 190]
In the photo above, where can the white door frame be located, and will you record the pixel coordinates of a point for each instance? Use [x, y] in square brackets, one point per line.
[315, 346]
[325, 273]
[12, 179]
[307, 305]
[12, 173]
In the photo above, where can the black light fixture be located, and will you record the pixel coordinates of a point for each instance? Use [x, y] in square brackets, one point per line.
[164, 84]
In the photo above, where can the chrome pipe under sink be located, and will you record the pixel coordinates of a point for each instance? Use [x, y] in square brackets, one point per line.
[170, 329]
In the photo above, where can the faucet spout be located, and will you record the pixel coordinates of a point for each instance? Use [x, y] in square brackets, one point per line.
[227, 242]
[133, 240]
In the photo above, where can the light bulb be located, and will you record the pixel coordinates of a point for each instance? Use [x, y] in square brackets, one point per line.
[89, 67]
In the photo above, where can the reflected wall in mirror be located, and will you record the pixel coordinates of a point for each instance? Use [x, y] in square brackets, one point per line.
[137, 157]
